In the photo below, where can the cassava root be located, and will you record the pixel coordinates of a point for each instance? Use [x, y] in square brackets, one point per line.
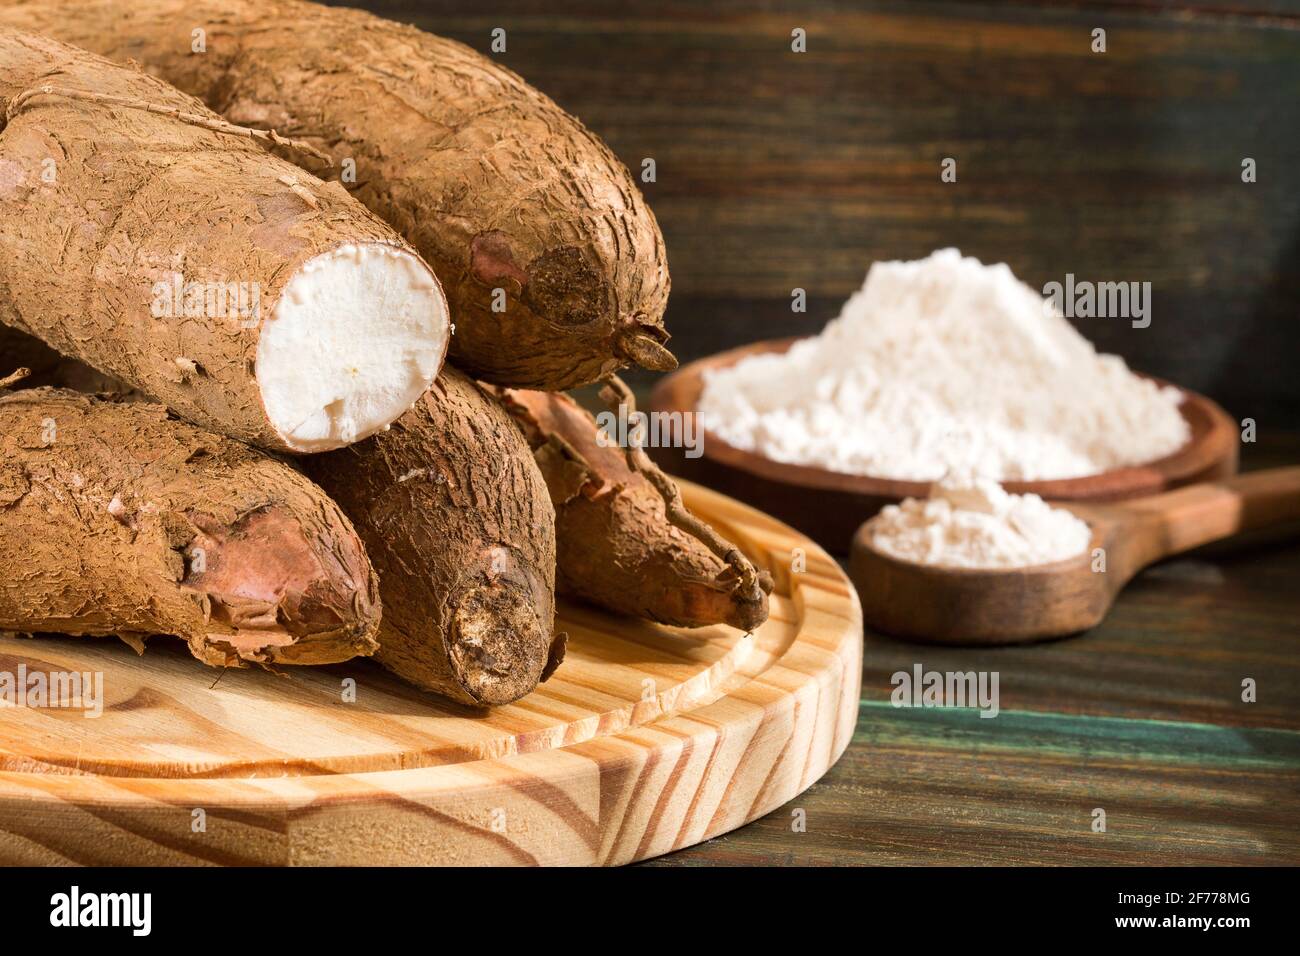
[270, 136]
[458, 522]
[459, 525]
[117, 519]
[46, 367]
[624, 540]
[184, 260]
[14, 378]
[512, 201]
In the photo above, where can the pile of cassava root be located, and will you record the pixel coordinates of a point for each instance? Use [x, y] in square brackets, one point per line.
[234, 256]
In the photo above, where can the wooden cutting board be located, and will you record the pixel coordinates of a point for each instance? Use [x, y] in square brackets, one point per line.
[646, 740]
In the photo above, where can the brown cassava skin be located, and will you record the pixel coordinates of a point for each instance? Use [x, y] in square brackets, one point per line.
[99, 203]
[615, 545]
[493, 183]
[118, 519]
[458, 522]
[47, 367]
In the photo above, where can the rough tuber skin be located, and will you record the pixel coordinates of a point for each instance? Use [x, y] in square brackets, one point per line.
[117, 519]
[131, 239]
[615, 545]
[458, 522]
[46, 367]
[495, 185]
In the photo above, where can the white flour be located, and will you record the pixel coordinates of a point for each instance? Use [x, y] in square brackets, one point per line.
[973, 523]
[939, 365]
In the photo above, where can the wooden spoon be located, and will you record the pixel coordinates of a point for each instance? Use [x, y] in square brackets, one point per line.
[948, 605]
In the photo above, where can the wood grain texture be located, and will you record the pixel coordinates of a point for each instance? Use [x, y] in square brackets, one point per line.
[778, 170]
[646, 740]
[951, 605]
[945, 787]
[1142, 716]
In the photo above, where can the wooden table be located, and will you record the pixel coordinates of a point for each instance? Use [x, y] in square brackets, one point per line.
[1141, 717]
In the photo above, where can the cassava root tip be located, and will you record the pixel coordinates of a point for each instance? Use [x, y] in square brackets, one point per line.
[615, 393]
[457, 519]
[616, 545]
[118, 519]
[14, 377]
[646, 351]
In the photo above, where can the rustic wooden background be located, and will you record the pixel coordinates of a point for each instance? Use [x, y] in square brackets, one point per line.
[1141, 717]
[779, 170]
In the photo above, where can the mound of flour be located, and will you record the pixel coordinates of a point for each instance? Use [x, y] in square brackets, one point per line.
[942, 365]
[974, 523]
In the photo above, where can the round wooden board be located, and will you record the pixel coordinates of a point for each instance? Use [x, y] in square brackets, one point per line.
[646, 740]
[829, 506]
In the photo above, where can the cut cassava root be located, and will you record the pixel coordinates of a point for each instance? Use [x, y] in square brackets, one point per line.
[237, 289]
[117, 519]
[617, 544]
[457, 517]
[514, 202]
[458, 522]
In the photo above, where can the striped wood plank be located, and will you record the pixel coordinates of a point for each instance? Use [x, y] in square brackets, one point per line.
[646, 740]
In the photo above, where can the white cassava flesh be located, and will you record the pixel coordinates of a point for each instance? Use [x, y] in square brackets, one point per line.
[357, 336]
[153, 245]
[555, 268]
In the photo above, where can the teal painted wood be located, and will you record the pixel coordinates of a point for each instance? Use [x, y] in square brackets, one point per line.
[780, 171]
[943, 787]
[1142, 718]
[1081, 738]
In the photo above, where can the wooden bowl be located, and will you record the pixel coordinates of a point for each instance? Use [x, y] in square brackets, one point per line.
[829, 505]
